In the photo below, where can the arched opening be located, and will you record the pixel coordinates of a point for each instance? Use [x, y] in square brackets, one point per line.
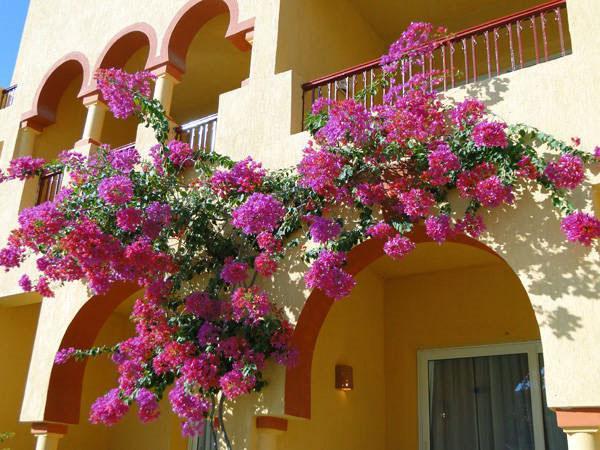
[103, 320]
[129, 51]
[212, 63]
[445, 353]
[58, 111]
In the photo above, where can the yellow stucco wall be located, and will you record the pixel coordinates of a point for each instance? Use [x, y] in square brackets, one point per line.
[455, 308]
[353, 334]
[379, 329]
[15, 351]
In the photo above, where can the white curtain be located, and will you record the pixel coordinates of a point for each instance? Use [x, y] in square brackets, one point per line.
[480, 403]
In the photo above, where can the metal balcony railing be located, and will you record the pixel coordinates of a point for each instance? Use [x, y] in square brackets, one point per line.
[499, 46]
[7, 96]
[200, 134]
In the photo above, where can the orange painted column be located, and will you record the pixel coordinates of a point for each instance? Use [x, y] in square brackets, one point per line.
[582, 427]
[268, 430]
[48, 435]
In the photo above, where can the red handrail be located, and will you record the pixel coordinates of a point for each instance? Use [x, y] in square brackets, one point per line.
[486, 26]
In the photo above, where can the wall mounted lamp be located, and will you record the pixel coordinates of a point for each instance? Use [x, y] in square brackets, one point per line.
[344, 378]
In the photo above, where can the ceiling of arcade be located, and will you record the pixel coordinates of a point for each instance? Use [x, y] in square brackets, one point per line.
[390, 17]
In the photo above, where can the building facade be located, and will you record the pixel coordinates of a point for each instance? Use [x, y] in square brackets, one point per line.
[471, 344]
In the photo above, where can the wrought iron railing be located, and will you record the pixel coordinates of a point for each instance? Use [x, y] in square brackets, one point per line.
[7, 96]
[49, 185]
[493, 48]
[200, 134]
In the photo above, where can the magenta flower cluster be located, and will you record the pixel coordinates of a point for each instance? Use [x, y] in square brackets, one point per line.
[119, 88]
[260, 213]
[490, 134]
[328, 275]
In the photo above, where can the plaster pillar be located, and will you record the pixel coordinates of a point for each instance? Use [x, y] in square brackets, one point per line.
[583, 438]
[94, 121]
[268, 430]
[164, 87]
[27, 137]
[167, 77]
[48, 435]
[582, 426]
[25, 147]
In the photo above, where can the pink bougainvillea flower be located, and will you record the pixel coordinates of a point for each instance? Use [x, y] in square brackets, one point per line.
[116, 190]
[566, 173]
[234, 272]
[467, 113]
[327, 274]
[118, 88]
[260, 213]
[323, 229]
[490, 134]
[439, 228]
[581, 227]
[398, 246]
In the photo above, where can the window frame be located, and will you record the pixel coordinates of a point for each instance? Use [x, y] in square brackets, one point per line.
[532, 348]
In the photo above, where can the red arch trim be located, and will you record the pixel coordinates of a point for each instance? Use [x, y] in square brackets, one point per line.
[188, 21]
[126, 42]
[122, 46]
[313, 315]
[52, 87]
[63, 402]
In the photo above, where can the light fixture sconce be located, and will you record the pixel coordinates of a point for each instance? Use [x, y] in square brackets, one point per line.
[344, 378]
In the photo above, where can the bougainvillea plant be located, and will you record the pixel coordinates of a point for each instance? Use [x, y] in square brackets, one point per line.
[197, 231]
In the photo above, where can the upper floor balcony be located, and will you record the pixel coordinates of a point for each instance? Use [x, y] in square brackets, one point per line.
[480, 52]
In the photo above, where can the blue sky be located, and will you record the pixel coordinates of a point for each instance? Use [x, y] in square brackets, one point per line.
[12, 18]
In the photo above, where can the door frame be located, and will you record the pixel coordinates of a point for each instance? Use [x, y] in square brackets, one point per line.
[531, 348]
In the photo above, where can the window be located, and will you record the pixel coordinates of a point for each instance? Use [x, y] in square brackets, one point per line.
[486, 398]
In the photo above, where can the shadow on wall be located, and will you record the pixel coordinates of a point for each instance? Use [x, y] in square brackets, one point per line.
[549, 266]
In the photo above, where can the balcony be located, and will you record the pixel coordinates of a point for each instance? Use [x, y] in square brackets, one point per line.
[49, 184]
[7, 96]
[493, 48]
[200, 133]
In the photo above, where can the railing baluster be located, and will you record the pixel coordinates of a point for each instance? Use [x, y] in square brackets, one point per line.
[560, 31]
[371, 87]
[431, 70]
[486, 36]
[512, 50]
[364, 74]
[535, 40]
[444, 65]
[544, 36]
[214, 136]
[451, 45]
[464, 49]
[496, 37]
[519, 43]
[474, 56]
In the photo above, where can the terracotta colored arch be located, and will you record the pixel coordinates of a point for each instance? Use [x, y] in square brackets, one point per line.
[314, 313]
[126, 43]
[63, 402]
[188, 21]
[53, 86]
